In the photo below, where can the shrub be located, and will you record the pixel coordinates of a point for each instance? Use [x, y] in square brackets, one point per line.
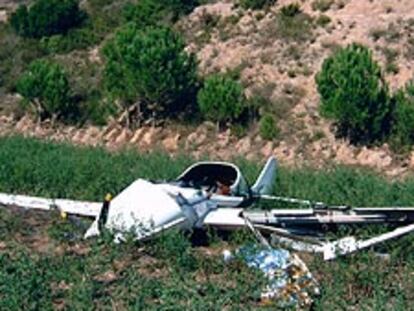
[293, 24]
[403, 118]
[354, 94]
[46, 18]
[221, 99]
[45, 87]
[322, 5]
[256, 4]
[267, 127]
[323, 20]
[158, 12]
[290, 10]
[75, 39]
[151, 70]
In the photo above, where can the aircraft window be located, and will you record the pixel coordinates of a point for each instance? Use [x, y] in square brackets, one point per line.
[211, 177]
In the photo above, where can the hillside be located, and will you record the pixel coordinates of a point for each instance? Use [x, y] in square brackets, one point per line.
[274, 62]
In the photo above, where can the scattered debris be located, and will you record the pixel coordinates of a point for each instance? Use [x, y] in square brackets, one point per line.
[290, 284]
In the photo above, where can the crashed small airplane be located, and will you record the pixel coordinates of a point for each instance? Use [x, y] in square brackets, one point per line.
[216, 194]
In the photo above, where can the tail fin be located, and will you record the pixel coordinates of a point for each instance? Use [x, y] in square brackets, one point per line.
[265, 181]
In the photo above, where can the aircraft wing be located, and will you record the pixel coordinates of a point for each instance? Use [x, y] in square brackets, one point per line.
[82, 208]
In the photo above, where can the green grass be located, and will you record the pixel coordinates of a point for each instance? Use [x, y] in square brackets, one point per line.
[45, 265]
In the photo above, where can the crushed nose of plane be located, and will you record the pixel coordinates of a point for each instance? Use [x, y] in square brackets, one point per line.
[144, 209]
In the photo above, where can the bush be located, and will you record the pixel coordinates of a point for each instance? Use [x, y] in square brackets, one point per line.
[256, 4]
[45, 87]
[290, 10]
[150, 68]
[323, 20]
[46, 18]
[403, 118]
[158, 12]
[293, 24]
[221, 99]
[322, 5]
[75, 39]
[267, 127]
[354, 94]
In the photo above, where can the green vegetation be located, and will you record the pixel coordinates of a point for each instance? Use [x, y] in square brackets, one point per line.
[268, 128]
[158, 12]
[256, 4]
[354, 94]
[46, 18]
[221, 99]
[293, 24]
[172, 270]
[45, 87]
[323, 20]
[150, 69]
[322, 5]
[402, 136]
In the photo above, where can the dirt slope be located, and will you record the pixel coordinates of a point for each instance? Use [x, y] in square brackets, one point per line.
[279, 65]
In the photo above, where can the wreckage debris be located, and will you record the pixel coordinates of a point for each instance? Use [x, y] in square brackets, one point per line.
[215, 194]
[289, 282]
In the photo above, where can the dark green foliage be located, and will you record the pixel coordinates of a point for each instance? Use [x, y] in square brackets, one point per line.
[158, 12]
[46, 18]
[323, 20]
[46, 87]
[322, 5]
[290, 10]
[15, 55]
[403, 118]
[268, 128]
[75, 39]
[150, 67]
[354, 94]
[256, 4]
[221, 99]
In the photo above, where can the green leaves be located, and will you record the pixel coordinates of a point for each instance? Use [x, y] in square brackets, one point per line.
[256, 4]
[221, 99]
[403, 118]
[46, 18]
[354, 94]
[150, 66]
[268, 128]
[158, 12]
[46, 86]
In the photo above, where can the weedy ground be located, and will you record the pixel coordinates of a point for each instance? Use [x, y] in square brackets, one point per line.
[45, 264]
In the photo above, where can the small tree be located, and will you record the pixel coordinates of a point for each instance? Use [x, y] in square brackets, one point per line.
[354, 94]
[221, 99]
[158, 12]
[403, 118]
[45, 87]
[268, 128]
[256, 4]
[46, 18]
[149, 70]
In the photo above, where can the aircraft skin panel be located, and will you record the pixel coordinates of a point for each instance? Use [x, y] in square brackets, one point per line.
[225, 217]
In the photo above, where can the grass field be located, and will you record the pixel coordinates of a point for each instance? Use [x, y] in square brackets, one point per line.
[45, 265]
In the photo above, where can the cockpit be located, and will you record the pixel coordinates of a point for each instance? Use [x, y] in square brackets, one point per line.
[216, 177]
